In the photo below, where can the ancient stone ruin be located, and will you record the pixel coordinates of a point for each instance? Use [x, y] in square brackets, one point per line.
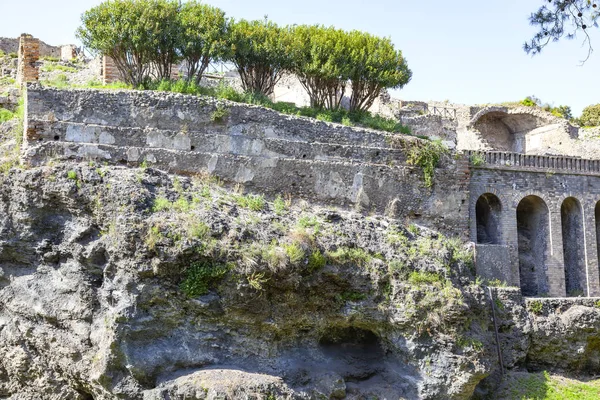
[521, 186]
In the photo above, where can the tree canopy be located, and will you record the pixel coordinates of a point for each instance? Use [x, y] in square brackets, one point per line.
[146, 38]
[558, 19]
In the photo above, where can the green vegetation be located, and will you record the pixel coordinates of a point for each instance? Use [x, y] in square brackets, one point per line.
[279, 206]
[6, 115]
[12, 157]
[469, 343]
[590, 116]
[560, 111]
[536, 306]
[260, 53]
[72, 175]
[137, 34]
[418, 278]
[294, 252]
[203, 37]
[316, 261]
[251, 201]
[374, 66]
[477, 159]
[201, 276]
[219, 114]
[351, 296]
[543, 386]
[349, 255]
[58, 67]
[161, 204]
[309, 222]
[427, 156]
[50, 58]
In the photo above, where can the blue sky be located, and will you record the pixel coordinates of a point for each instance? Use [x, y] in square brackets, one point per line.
[465, 51]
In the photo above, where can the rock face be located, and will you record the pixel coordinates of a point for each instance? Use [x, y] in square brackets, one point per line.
[130, 283]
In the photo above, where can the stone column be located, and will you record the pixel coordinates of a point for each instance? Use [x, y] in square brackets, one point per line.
[556, 259]
[29, 54]
[591, 247]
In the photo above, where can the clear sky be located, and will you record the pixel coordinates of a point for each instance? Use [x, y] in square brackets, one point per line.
[465, 51]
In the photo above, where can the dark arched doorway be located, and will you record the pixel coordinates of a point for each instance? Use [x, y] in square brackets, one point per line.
[533, 227]
[487, 213]
[572, 235]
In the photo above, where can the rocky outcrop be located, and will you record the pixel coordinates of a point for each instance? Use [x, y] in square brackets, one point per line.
[129, 283]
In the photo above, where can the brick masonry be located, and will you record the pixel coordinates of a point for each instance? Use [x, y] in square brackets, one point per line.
[29, 54]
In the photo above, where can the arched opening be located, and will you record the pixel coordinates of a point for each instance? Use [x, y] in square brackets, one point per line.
[572, 234]
[503, 131]
[487, 215]
[533, 227]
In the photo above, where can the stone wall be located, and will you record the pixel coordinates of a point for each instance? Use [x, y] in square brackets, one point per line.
[11, 45]
[253, 146]
[533, 197]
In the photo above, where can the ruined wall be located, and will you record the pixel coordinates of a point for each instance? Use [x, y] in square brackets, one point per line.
[553, 180]
[11, 45]
[259, 148]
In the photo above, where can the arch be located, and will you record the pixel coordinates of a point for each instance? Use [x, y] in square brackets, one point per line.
[572, 233]
[533, 228]
[487, 214]
[503, 129]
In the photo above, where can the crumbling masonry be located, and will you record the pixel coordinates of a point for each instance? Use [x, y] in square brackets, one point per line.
[535, 218]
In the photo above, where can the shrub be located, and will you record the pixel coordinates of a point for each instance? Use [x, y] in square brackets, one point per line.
[536, 306]
[477, 159]
[427, 156]
[530, 101]
[316, 260]
[590, 116]
[279, 206]
[201, 276]
[251, 201]
[161, 204]
[294, 252]
[219, 114]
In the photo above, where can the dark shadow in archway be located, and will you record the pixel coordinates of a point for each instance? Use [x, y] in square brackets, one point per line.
[572, 234]
[487, 212]
[533, 227]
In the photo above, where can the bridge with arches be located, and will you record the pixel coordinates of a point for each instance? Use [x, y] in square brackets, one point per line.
[536, 222]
